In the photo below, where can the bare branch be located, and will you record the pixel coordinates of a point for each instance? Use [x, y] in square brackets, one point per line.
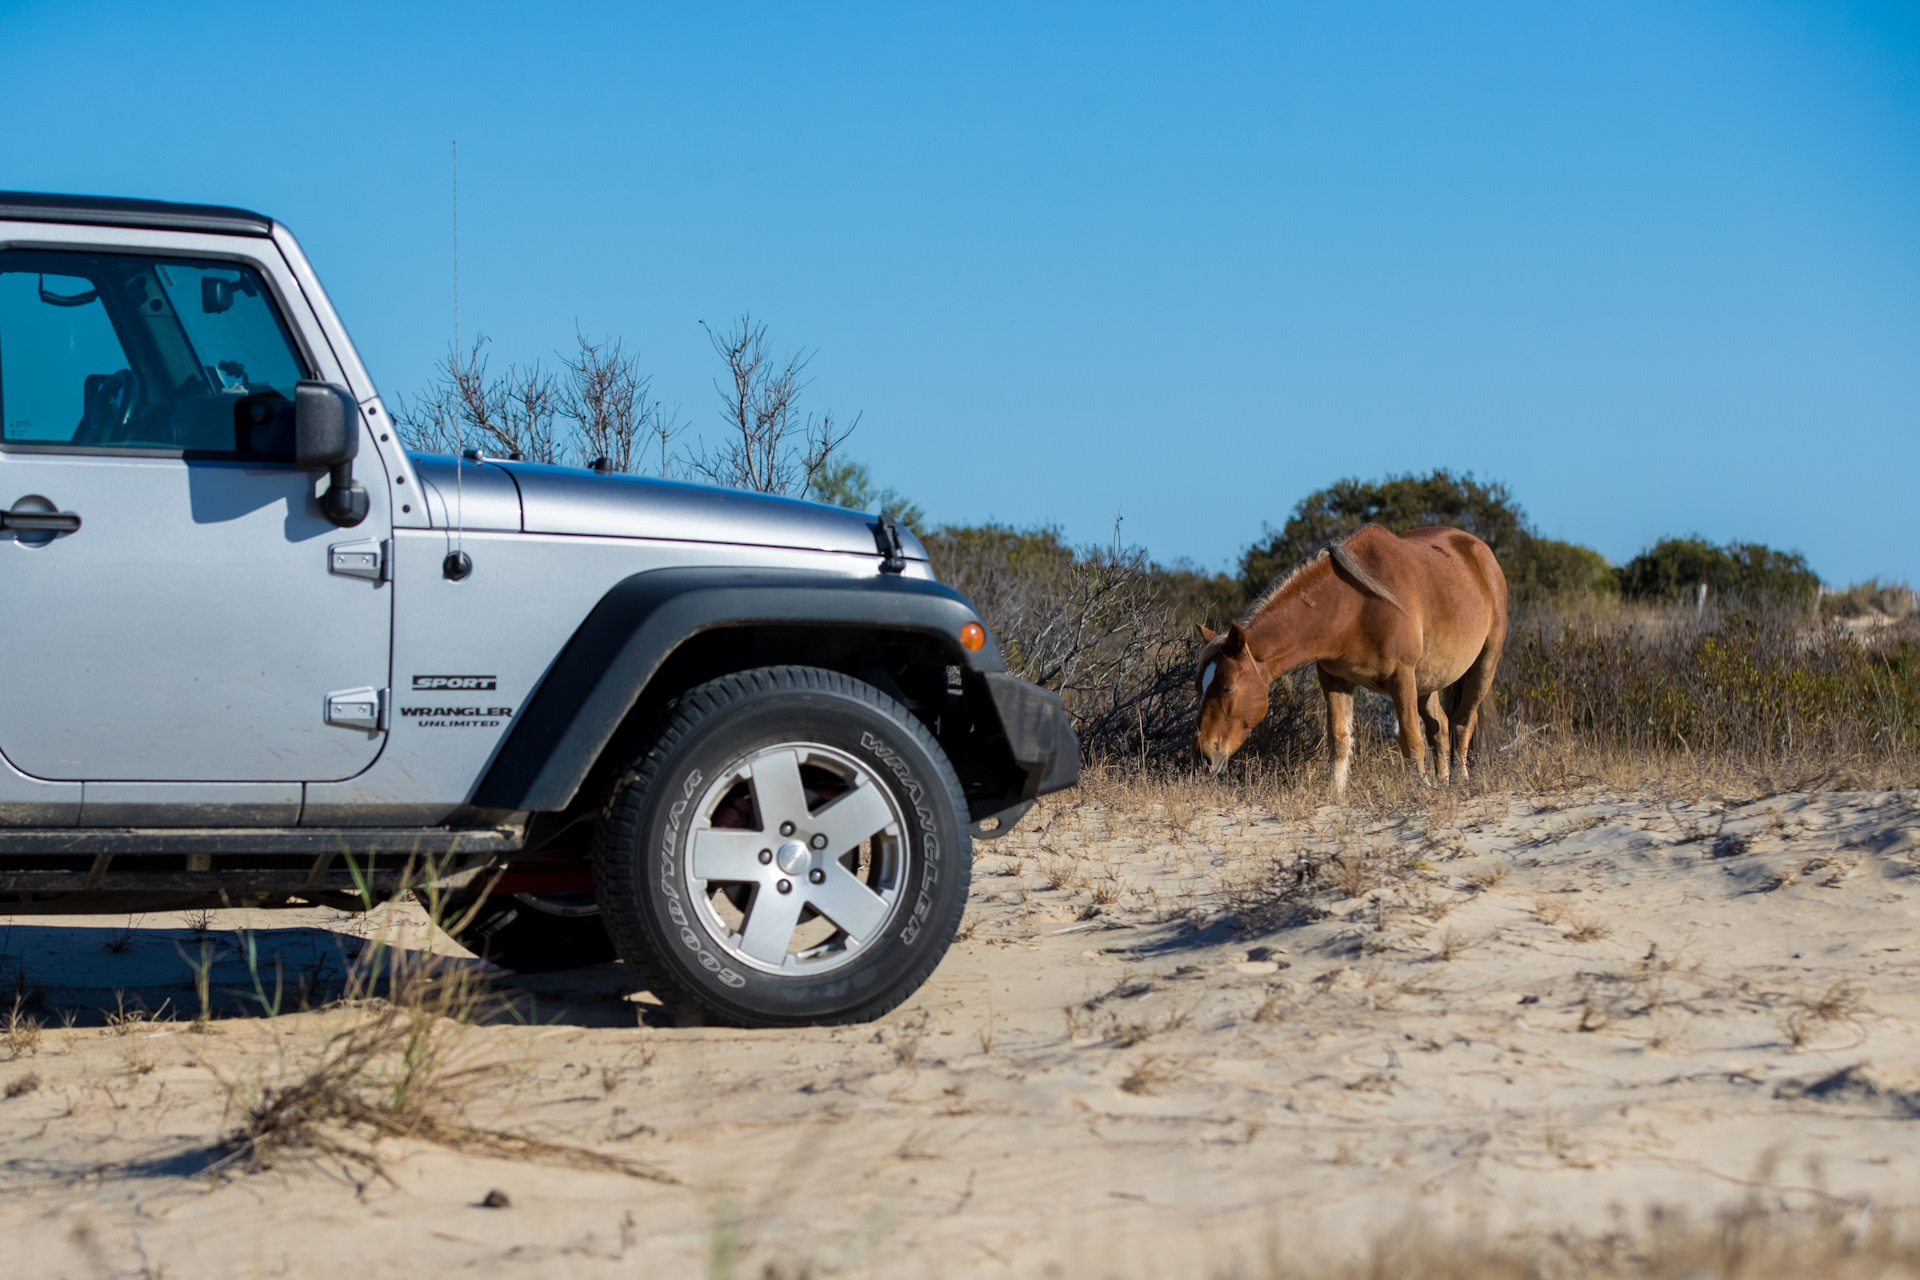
[768, 447]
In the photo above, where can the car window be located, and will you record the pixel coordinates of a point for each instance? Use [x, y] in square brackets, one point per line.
[120, 351]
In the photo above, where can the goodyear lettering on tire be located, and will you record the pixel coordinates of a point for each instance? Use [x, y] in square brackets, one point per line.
[670, 886]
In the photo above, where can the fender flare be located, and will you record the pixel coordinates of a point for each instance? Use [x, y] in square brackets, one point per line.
[591, 687]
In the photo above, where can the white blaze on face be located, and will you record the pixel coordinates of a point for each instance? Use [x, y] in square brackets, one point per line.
[1206, 678]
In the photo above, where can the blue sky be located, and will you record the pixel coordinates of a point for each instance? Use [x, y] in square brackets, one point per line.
[1656, 266]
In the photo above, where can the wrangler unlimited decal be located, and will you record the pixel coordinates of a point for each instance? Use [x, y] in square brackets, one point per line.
[459, 717]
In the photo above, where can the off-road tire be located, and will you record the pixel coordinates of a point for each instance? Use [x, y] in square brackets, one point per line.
[517, 935]
[643, 847]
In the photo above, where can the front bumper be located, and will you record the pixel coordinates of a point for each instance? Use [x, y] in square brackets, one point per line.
[1041, 741]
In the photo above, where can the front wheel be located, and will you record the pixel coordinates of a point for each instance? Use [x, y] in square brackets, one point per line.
[788, 850]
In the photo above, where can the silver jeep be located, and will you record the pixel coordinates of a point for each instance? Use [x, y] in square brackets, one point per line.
[262, 655]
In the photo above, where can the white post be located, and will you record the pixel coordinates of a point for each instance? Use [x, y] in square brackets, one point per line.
[1700, 600]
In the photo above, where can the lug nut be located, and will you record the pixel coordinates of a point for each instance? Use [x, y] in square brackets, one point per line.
[817, 876]
[766, 856]
[786, 828]
[785, 886]
[819, 841]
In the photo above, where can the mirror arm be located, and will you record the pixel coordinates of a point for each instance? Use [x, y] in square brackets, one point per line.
[345, 501]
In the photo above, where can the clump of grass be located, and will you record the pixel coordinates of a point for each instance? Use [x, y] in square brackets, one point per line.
[22, 1031]
[20, 1086]
[1487, 881]
[405, 1066]
[1151, 1074]
[1841, 1002]
[1454, 945]
[1582, 929]
[904, 1041]
[120, 941]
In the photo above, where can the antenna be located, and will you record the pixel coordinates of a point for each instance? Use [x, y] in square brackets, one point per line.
[458, 563]
[456, 244]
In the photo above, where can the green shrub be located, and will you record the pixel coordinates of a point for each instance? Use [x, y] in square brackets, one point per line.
[1673, 568]
[849, 484]
[1537, 568]
[1546, 569]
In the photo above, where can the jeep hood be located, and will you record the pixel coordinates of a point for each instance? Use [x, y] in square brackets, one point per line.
[537, 498]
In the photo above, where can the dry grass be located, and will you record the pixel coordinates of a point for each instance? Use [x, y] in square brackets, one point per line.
[1582, 929]
[1151, 1073]
[1749, 1243]
[405, 1065]
[22, 1031]
[1841, 1002]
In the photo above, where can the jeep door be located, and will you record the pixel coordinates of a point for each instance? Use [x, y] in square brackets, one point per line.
[177, 612]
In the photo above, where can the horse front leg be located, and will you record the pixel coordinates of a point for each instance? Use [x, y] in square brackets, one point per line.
[1339, 696]
[1433, 716]
[1406, 709]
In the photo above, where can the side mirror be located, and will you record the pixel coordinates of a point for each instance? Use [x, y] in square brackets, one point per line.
[326, 433]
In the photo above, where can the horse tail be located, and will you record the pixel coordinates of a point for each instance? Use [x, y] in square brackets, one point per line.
[1358, 572]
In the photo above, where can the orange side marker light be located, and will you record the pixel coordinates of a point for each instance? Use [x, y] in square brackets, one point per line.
[973, 637]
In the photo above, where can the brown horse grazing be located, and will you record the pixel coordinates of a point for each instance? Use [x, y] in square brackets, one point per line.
[1409, 616]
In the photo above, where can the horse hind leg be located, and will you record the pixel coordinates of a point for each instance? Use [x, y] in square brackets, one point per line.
[1468, 693]
[1433, 716]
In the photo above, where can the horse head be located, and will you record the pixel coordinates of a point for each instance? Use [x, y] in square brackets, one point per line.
[1233, 696]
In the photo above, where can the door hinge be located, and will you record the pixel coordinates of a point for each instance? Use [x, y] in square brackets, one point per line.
[366, 558]
[358, 709]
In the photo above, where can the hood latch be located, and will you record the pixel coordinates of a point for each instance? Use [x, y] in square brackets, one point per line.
[893, 555]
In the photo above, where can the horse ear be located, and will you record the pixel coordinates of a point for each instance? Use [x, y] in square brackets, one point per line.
[1205, 635]
[1236, 638]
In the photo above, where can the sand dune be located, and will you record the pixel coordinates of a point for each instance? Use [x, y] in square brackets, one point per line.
[1172, 1039]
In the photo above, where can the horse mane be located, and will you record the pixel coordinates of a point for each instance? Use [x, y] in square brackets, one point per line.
[1341, 555]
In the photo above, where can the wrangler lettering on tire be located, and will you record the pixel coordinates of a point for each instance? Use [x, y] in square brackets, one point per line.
[788, 848]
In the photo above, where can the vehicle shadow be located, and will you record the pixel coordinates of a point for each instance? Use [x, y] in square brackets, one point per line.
[89, 971]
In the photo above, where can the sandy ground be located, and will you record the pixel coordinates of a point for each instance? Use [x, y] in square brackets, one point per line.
[1172, 1038]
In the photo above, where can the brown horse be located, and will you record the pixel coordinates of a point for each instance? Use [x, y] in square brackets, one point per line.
[1409, 616]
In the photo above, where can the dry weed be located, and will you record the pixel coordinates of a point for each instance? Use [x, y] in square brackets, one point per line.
[23, 1031]
[1583, 929]
[22, 1085]
[1453, 945]
[405, 1066]
[904, 1039]
[1840, 1002]
[1487, 881]
[120, 941]
[1151, 1073]
[1274, 1008]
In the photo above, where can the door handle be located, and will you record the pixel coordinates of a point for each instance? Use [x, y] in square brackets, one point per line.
[40, 521]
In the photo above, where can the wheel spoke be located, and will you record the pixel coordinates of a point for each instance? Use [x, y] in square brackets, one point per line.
[852, 818]
[727, 856]
[848, 903]
[777, 792]
[771, 920]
